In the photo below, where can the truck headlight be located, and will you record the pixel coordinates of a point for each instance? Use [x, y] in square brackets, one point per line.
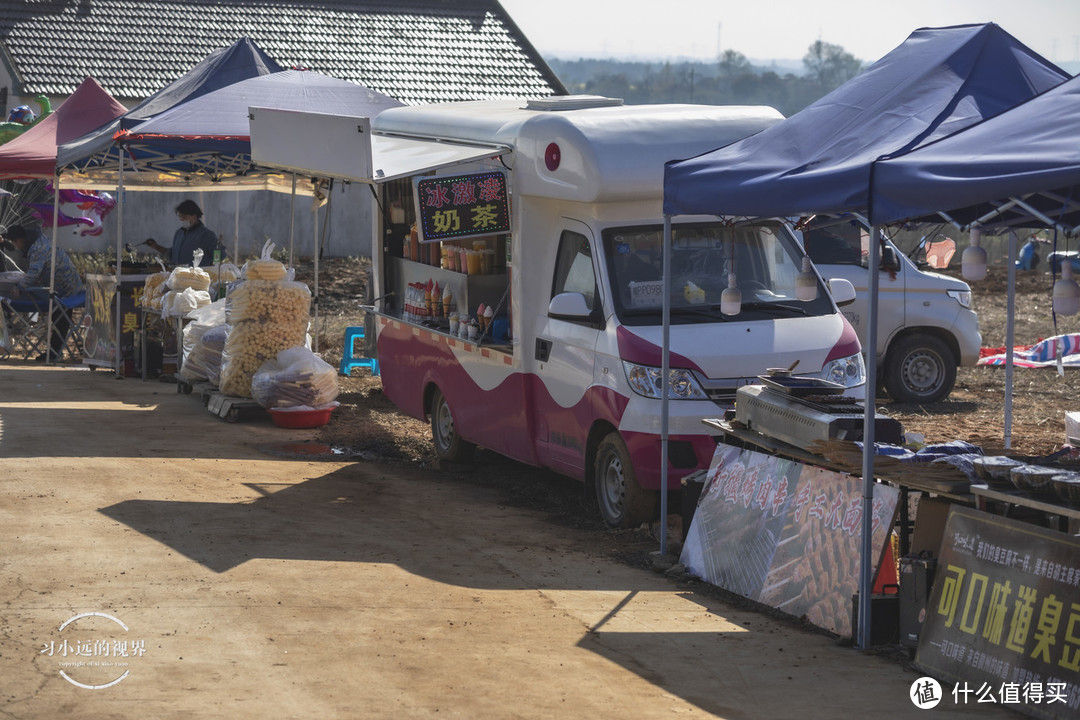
[646, 381]
[848, 371]
[961, 296]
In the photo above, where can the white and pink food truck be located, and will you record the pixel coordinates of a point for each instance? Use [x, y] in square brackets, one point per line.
[518, 277]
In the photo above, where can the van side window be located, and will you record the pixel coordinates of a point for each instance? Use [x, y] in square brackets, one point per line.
[574, 268]
[834, 245]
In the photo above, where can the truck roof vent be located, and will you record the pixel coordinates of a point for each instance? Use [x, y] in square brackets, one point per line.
[572, 102]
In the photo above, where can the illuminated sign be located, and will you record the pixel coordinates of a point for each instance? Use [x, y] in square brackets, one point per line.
[462, 206]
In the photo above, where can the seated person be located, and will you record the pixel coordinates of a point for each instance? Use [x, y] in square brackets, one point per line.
[37, 248]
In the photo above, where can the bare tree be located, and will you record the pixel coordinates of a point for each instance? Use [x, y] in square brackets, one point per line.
[829, 65]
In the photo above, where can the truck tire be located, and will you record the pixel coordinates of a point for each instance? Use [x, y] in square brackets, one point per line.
[449, 446]
[623, 502]
[920, 369]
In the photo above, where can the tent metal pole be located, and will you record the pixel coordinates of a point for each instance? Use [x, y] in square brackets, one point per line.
[1010, 315]
[292, 221]
[866, 569]
[119, 263]
[665, 370]
[315, 294]
[236, 231]
[52, 273]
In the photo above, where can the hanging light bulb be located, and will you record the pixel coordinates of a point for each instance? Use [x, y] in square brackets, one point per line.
[731, 298]
[1066, 291]
[973, 261]
[806, 282]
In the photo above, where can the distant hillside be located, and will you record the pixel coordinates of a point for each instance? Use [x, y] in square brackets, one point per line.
[785, 85]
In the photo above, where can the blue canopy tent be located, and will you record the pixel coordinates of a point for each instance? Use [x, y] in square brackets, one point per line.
[210, 135]
[94, 160]
[939, 81]
[1018, 169]
[240, 61]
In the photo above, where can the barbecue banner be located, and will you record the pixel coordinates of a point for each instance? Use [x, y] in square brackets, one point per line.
[785, 534]
[1003, 623]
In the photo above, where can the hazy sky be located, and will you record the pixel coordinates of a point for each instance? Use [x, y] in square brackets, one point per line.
[778, 29]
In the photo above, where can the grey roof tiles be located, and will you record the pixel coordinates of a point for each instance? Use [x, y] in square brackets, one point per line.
[415, 51]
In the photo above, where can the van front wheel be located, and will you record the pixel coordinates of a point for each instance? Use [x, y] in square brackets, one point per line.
[449, 446]
[623, 503]
[920, 369]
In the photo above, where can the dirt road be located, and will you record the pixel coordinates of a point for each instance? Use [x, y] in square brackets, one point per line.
[157, 562]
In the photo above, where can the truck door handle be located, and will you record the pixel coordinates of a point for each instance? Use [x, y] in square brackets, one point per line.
[543, 349]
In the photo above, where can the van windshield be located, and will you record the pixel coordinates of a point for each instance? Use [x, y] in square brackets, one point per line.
[763, 257]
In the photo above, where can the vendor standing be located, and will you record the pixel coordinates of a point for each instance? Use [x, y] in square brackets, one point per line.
[192, 235]
[37, 248]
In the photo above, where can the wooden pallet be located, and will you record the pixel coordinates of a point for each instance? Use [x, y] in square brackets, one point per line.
[228, 408]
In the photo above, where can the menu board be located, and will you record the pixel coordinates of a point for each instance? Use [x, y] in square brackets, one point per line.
[1003, 621]
[785, 534]
[462, 206]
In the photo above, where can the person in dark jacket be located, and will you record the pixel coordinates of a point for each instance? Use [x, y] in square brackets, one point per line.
[191, 235]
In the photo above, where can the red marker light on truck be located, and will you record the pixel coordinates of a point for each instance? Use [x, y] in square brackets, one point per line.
[552, 156]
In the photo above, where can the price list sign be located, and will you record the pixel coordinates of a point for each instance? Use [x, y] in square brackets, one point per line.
[462, 206]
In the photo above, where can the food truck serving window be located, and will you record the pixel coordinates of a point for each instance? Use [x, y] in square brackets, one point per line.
[462, 206]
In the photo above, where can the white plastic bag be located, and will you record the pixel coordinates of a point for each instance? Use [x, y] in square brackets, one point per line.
[184, 301]
[185, 276]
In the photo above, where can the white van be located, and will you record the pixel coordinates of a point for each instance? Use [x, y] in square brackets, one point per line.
[560, 207]
[926, 327]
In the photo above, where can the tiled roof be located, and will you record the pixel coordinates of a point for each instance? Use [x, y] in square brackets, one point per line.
[417, 51]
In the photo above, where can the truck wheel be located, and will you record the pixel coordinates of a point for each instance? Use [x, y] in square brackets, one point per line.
[920, 369]
[449, 445]
[623, 502]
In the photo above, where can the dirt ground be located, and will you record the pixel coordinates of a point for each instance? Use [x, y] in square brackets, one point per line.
[265, 582]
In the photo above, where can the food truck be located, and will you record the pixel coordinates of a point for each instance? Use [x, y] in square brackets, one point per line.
[519, 292]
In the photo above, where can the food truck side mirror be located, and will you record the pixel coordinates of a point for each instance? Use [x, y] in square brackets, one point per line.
[570, 306]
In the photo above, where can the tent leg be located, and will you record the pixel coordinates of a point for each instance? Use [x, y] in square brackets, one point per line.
[665, 371]
[292, 221]
[315, 294]
[52, 273]
[1010, 338]
[866, 568]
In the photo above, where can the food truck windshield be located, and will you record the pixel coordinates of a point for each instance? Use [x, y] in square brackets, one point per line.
[764, 258]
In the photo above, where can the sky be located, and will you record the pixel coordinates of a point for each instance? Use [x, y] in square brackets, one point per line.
[777, 29]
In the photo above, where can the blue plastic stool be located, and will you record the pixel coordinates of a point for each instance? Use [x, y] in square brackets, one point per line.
[348, 362]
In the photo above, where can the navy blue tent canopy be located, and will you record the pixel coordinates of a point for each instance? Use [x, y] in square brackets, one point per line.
[210, 134]
[1019, 169]
[239, 61]
[939, 81]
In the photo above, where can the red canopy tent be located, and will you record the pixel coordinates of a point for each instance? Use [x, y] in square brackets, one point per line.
[33, 154]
